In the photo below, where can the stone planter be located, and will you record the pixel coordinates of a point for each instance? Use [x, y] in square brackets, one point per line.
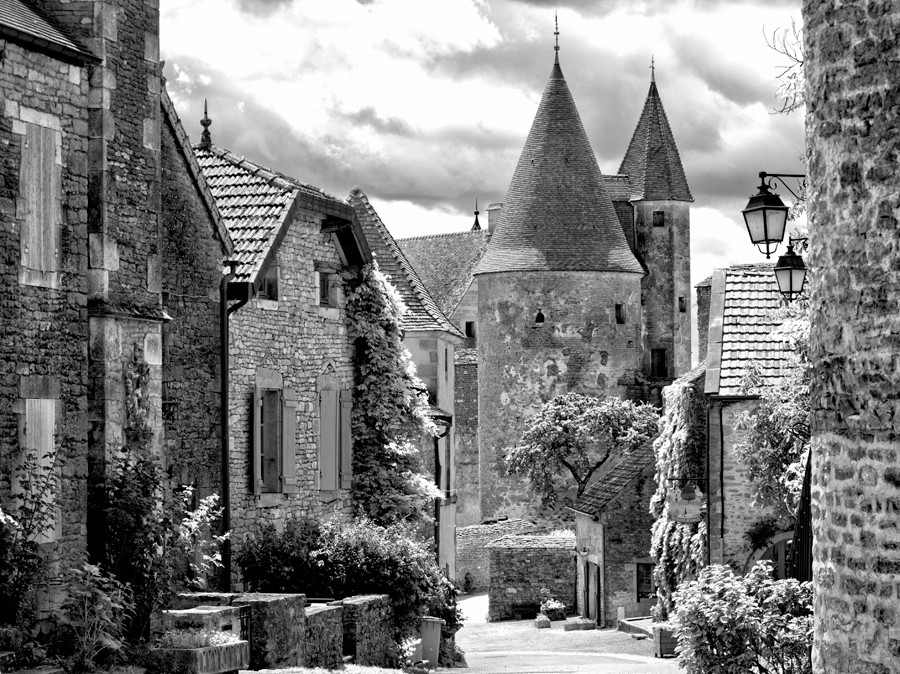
[209, 660]
[664, 642]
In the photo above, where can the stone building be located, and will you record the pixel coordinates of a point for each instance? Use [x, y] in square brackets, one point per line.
[852, 121]
[105, 217]
[583, 285]
[431, 339]
[290, 357]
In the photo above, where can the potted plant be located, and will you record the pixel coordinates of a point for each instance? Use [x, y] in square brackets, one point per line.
[199, 652]
[664, 640]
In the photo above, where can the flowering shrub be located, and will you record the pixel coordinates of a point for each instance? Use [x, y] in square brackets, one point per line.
[730, 624]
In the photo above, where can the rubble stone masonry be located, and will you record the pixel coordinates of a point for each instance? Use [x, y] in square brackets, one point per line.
[853, 141]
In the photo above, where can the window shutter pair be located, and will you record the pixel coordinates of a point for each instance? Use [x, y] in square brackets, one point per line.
[287, 452]
[39, 186]
[335, 439]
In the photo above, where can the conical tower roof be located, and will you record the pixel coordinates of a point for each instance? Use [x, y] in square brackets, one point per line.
[557, 215]
[652, 163]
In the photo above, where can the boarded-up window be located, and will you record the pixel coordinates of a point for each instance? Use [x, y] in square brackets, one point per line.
[335, 439]
[38, 482]
[658, 363]
[40, 191]
[274, 441]
[659, 218]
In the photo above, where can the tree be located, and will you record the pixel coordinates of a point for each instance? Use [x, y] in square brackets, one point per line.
[577, 434]
[390, 407]
[792, 84]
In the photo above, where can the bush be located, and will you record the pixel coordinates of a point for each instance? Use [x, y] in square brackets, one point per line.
[341, 559]
[196, 638]
[733, 625]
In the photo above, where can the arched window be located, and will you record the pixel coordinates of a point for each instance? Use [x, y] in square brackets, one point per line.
[778, 554]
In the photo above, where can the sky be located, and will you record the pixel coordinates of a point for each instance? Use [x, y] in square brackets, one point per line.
[426, 104]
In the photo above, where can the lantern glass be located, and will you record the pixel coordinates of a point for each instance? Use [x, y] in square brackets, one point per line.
[790, 274]
[765, 217]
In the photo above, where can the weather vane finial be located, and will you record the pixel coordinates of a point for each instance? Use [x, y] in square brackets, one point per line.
[652, 69]
[556, 33]
[205, 140]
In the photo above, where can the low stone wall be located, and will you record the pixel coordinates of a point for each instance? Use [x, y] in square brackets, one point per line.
[324, 636]
[277, 624]
[472, 555]
[520, 566]
[368, 627]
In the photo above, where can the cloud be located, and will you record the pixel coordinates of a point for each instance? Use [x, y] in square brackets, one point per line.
[369, 117]
[262, 8]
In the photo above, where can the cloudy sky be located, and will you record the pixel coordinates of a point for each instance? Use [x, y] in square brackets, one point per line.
[425, 104]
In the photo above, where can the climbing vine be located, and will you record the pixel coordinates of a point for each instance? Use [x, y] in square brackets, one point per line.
[679, 549]
[390, 407]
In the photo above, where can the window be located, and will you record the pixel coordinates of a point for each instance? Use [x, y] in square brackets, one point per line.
[268, 289]
[335, 439]
[620, 314]
[659, 218]
[39, 443]
[646, 588]
[470, 329]
[327, 288]
[658, 363]
[41, 193]
[682, 305]
[274, 437]
[539, 317]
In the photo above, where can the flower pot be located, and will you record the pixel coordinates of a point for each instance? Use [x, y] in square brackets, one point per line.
[664, 642]
[208, 660]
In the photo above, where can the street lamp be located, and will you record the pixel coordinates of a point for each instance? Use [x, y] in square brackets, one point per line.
[766, 214]
[790, 272]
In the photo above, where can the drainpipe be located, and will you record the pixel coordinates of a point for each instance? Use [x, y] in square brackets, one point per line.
[224, 312]
[708, 495]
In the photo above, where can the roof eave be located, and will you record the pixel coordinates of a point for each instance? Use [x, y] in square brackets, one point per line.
[48, 48]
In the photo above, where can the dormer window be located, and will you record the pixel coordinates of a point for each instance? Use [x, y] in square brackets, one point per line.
[327, 287]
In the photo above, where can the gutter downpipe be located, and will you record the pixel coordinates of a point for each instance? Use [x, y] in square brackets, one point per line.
[708, 495]
[224, 364]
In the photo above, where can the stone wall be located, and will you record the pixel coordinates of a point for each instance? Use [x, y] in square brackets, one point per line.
[522, 363]
[666, 251]
[368, 621]
[627, 524]
[704, 292]
[468, 507]
[472, 554]
[521, 566]
[43, 323]
[853, 140]
[324, 636]
[304, 345]
[191, 386]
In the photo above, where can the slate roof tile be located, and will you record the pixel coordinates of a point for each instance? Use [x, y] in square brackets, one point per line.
[533, 542]
[445, 263]
[652, 162]
[749, 316]
[557, 215]
[599, 494]
[422, 312]
[25, 26]
[501, 528]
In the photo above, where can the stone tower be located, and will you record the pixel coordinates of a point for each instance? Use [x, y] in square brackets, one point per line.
[559, 294]
[660, 199]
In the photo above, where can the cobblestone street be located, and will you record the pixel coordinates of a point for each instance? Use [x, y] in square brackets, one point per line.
[516, 646]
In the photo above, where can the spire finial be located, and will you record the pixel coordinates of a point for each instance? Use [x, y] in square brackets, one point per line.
[205, 140]
[556, 33]
[652, 69]
[477, 226]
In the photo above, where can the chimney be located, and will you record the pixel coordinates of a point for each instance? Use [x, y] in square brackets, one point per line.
[493, 216]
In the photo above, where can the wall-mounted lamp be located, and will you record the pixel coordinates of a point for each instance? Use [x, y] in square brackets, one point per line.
[790, 272]
[766, 214]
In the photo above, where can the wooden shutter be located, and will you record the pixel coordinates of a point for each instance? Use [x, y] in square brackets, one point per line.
[288, 441]
[346, 439]
[256, 476]
[39, 186]
[40, 431]
[328, 439]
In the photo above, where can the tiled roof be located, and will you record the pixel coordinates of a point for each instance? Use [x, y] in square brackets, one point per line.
[652, 162]
[422, 312]
[532, 542]
[705, 282]
[445, 263]
[254, 202]
[498, 529]
[557, 215]
[21, 24]
[187, 153]
[465, 357]
[742, 316]
[599, 494]
[618, 187]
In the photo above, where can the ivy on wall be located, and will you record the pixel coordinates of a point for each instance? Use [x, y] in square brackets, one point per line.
[390, 406]
[679, 549]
